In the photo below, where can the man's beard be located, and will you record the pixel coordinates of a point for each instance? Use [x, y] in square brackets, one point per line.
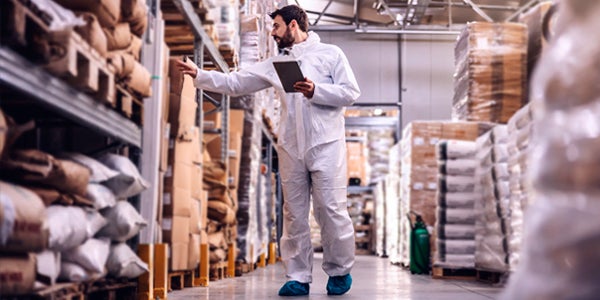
[286, 41]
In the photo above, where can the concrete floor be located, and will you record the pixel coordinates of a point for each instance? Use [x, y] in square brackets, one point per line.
[373, 278]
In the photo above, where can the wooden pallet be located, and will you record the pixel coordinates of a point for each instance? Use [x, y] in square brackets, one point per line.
[489, 276]
[74, 60]
[439, 272]
[178, 280]
[218, 271]
[129, 105]
[24, 28]
[105, 289]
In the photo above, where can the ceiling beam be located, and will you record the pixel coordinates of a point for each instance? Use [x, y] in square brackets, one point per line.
[478, 10]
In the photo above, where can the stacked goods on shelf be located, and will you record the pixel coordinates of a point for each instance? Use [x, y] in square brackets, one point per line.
[493, 198]
[74, 208]
[357, 156]
[491, 74]
[393, 212]
[419, 169]
[184, 203]
[380, 218]
[114, 29]
[360, 209]
[454, 234]
[559, 258]
[379, 142]
[248, 242]
[539, 29]
[225, 15]
[520, 129]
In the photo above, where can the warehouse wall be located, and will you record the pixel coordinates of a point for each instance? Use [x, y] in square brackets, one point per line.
[427, 68]
[374, 60]
[427, 83]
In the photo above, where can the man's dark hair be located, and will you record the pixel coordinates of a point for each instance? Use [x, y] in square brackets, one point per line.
[292, 12]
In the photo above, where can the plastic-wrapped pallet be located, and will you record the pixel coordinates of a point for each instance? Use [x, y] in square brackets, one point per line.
[380, 219]
[248, 176]
[519, 131]
[394, 213]
[454, 234]
[559, 259]
[380, 142]
[492, 201]
[490, 78]
[419, 169]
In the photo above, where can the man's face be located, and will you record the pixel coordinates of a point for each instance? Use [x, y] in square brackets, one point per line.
[281, 33]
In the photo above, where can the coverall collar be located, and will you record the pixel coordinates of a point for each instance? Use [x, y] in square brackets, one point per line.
[299, 49]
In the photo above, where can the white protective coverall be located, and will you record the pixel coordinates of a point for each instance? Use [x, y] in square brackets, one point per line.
[311, 150]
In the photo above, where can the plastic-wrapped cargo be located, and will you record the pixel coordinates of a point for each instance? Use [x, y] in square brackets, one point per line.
[419, 169]
[454, 232]
[562, 229]
[492, 201]
[490, 80]
[380, 142]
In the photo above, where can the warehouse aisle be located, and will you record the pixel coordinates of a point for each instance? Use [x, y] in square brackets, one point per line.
[374, 278]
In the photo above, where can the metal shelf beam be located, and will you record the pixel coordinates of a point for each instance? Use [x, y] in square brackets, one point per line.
[187, 10]
[52, 92]
[371, 121]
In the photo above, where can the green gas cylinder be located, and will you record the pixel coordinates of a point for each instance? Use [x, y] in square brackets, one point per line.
[419, 247]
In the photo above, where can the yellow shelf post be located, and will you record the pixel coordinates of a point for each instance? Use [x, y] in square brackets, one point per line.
[231, 260]
[146, 280]
[272, 253]
[161, 270]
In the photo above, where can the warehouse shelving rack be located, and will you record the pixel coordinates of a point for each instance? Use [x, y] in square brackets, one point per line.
[34, 82]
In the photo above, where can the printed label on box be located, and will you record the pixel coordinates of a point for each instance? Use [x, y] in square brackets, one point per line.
[167, 199]
[169, 172]
[418, 141]
[418, 186]
[167, 224]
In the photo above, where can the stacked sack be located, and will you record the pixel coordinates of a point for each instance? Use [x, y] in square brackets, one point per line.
[73, 207]
[393, 212]
[520, 130]
[493, 198]
[559, 256]
[455, 223]
[114, 28]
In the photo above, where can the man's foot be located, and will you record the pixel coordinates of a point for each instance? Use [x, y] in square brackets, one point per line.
[339, 285]
[294, 288]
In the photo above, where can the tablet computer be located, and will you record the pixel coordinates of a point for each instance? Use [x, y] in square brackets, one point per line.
[289, 73]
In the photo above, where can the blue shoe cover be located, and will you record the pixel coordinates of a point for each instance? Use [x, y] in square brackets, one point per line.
[339, 285]
[294, 288]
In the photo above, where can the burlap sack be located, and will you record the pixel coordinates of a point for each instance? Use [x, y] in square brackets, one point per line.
[135, 47]
[221, 212]
[118, 37]
[140, 80]
[52, 196]
[24, 220]
[217, 255]
[37, 167]
[107, 11]
[18, 274]
[214, 175]
[92, 33]
[138, 18]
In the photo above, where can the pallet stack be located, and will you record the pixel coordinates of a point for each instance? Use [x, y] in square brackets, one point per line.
[419, 183]
[60, 209]
[490, 82]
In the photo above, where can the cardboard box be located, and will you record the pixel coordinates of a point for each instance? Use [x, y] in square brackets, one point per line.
[176, 230]
[213, 119]
[194, 251]
[177, 202]
[165, 129]
[161, 195]
[196, 146]
[236, 121]
[195, 217]
[17, 274]
[204, 210]
[179, 256]
[180, 151]
[179, 175]
[197, 183]
[235, 156]
[182, 112]
[179, 84]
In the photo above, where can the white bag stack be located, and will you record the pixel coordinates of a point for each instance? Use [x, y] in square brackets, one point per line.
[455, 223]
[492, 204]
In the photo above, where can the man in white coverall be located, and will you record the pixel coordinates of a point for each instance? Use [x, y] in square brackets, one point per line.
[311, 147]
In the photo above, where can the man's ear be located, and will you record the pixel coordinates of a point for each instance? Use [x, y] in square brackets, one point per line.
[293, 24]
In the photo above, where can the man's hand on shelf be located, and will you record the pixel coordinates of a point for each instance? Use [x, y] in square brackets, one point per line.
[187, 68]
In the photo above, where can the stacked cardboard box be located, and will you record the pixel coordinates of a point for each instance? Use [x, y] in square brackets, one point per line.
[358, 158]
[536, 32]
[184, 201]
[491, 74]
[419, 183]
